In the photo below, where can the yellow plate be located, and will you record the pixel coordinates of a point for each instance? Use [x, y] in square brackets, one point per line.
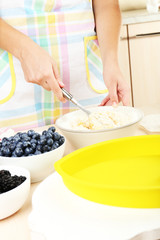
[122, 172]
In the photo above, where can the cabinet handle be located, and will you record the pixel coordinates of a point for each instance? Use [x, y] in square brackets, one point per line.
[142, 35]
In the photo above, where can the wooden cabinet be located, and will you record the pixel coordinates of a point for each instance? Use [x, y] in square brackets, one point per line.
[144, 54]
[124, 57]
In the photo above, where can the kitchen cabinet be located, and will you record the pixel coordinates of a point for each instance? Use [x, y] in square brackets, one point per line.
[144, 58]
[123, 56]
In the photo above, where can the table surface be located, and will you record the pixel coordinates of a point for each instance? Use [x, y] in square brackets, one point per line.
[16, 226]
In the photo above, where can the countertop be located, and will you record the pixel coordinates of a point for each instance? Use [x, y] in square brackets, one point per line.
[139, 16]
[16, 226]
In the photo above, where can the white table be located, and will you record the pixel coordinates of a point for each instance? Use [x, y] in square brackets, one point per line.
[16, 226]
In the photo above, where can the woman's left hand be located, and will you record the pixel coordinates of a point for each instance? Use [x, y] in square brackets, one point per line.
[118, 88]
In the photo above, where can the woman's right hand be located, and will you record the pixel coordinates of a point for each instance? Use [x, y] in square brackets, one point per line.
[40, 68]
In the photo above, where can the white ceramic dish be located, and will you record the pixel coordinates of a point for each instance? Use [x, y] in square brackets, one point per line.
[40, 166]
[82, 138]
[13, 200]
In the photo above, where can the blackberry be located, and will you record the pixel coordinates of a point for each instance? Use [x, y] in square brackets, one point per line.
[8, 182]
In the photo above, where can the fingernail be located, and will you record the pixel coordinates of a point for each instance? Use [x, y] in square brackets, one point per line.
[61, 84]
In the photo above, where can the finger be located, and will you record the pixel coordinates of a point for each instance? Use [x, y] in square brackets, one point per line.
[46, 86]
[113, 94]
[104, 101]
[126, 99]
[55, 70]
[52, 82]
[109, 103]
[56, 74]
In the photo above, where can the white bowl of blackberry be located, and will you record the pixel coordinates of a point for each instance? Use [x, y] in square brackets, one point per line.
[34, 151]
[14, 189]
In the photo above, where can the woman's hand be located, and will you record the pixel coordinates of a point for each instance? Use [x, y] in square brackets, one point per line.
[40, 68]
[37, 64]
[118, 88]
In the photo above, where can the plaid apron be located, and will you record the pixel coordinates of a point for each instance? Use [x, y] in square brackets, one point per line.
[65, 29]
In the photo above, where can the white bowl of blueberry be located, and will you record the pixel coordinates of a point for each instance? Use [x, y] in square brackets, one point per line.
[14, 189]
[32, 150]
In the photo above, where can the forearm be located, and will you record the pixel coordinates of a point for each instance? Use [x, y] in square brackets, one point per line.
[108, 23]
[12, 40]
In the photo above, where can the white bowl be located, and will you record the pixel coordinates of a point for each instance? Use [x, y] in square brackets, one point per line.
[13, 200]
[40, 166]
[83, 138]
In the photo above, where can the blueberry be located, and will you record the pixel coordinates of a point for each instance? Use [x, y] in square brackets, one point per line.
[49, 148]
[19, 145]
[38, 142]
[30, 133]
[33, 146]
[12, 146]
[14, 154]
[37, 152]
[45, 148]
[42, 140]
[50, 141]
[52, 129]
[61, 140]
[33, 141]
[56, 136]
[44, 132]
[26, 144]
[36, 136]
[19, 152]
[4, 144]
[4, 141]
[49, 135]
[55, 145]
[28, 150]
[16, 138]
[10, 138]
[6, 151]
[27, 139]
[23, 135]
[39, 147]
[1, 154]
[0, 144]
